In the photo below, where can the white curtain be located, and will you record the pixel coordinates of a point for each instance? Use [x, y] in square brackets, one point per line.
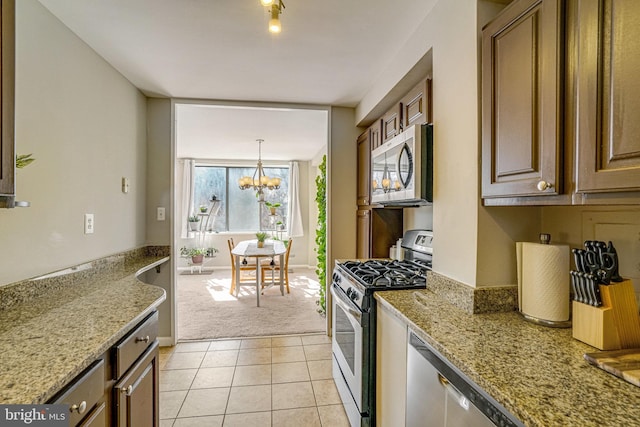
[294, 216]
[188, 189]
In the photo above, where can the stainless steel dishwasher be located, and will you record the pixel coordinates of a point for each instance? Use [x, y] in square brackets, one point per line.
[439, 395]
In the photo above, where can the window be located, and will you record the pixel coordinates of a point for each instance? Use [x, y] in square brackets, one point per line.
[239, 209]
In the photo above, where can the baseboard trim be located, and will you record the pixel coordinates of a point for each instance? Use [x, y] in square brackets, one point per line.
[166, 341]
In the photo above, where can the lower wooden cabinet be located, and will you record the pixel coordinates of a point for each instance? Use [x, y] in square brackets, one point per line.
[121, 388]
[136, 395]
[84, 393]
[97, 417]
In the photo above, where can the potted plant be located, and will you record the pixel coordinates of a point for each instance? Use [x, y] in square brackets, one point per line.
[261, 236]
[196, 254]
[193, 222]
[203, 208]
[272, 207]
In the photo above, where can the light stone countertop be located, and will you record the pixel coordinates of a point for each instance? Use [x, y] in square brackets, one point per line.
[537, 373]
[48, 339]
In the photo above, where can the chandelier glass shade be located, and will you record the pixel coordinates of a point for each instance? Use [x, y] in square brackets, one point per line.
[276, 9]
[259, 181]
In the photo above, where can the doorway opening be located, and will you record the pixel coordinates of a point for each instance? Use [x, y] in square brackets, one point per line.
[215, 146]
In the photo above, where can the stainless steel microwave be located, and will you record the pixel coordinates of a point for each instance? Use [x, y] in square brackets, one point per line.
[402, 168]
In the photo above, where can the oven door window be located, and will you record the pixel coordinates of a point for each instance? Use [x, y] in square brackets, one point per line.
[346, 337]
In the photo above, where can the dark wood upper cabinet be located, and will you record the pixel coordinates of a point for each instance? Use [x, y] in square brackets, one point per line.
[391, 123]
[416, 105]
[375, 134]
[7, 146]
[522, 102]
[608, 94]
[364, 168]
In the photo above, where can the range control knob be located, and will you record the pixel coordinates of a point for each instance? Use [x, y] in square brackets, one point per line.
[353, 295]
[349, 291]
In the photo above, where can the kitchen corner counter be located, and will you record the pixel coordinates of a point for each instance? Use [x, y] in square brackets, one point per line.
[48, 337]
[537, 373]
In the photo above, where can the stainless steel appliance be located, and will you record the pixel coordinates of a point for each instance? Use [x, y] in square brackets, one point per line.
[438, 394]
[354, 319]
[402, 168]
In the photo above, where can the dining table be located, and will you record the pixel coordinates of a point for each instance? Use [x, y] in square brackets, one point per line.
[249, 248]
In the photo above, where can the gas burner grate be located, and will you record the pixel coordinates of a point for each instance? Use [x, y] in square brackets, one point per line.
[387, 273]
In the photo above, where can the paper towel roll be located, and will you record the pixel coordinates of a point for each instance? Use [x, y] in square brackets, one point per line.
[543, 281]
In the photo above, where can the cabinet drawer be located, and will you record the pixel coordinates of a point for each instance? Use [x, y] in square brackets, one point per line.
[84, 392]
[127, 351]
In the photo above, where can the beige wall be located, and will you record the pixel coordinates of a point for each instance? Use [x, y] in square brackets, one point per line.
[572, 225]
[341, 188]
[85, 125]
[472, 244]
[450, 32]
[159, 165]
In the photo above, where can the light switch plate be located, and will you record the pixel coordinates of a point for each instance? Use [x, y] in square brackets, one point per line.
[125, 184]
[88, 224]
[160, 216]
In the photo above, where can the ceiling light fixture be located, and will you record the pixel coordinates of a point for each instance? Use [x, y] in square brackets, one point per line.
[276, 9]
[260, 180]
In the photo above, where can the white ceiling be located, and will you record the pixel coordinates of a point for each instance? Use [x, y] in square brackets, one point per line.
[329, 53]
[219, 132]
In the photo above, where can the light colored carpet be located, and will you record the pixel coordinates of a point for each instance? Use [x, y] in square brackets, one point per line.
[206, 310]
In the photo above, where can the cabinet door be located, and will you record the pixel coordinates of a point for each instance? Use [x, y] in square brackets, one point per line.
[136, 395]
[391, 123]
[416, 105]
[608, 129]
[364, 169]
[522, 138]
[363, 234]
[391, 369]
[375, 134]
[7, 146]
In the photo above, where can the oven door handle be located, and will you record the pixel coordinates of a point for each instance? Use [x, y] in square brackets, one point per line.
[346, 305]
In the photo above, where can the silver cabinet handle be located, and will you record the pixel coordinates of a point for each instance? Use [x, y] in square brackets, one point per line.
[544, 185]
[127, 390]
[145, 339]
[79, 408]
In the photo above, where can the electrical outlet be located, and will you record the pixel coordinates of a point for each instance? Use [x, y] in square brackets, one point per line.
[160, 214]
[125, 185]
[88, 224]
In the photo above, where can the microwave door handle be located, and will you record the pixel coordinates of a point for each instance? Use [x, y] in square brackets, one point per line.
[346, 306]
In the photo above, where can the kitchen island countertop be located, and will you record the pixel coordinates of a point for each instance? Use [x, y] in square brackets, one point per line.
[48, 339]
[536, 372]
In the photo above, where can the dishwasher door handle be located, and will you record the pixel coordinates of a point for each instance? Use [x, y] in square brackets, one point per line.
[459, 397]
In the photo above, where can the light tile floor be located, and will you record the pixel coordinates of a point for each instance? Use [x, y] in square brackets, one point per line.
[270, 381]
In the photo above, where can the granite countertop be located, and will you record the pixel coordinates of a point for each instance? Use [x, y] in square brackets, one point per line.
[49, 338]
[537, 373]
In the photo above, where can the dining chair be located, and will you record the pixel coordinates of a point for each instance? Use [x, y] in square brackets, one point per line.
[274, 267]
[244, 278]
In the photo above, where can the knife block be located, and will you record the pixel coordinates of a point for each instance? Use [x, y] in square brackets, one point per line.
[613, 326]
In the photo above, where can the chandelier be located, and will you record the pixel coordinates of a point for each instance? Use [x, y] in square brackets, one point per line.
[260, 180]
[276, 9]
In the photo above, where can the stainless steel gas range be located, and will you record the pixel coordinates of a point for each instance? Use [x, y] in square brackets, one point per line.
[354, 318]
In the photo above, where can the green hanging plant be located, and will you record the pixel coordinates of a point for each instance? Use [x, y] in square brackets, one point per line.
[23, 160]
[321, 235]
